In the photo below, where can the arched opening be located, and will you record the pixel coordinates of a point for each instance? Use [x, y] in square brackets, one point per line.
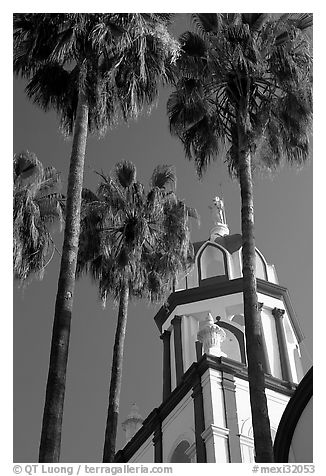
[179, 454]
[212, 263]
[261, 271]
[231, 346]
[239, 319]
[234, 340]
[261, 268]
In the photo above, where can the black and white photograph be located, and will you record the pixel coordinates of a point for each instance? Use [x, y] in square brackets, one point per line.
[162, 241]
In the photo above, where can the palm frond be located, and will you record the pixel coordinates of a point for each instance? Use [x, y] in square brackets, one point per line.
[257, 60]
[119, 60]
[37, 205]
[27, 167]
[207, 22]
[163, 176]
[146, 240]
[125, 173]
[303, 21]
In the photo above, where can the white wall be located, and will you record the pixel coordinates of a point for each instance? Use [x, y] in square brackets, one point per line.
[178, 425]
[216, 433]
[268, 322]
[193, 312]
[276, 403]
[217, 306]
[269, 329]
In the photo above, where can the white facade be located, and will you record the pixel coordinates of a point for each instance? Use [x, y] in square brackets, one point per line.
[179, 425]
[182, 417]
[230, 309]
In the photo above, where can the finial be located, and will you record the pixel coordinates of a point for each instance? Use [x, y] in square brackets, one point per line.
[218, 215]
[211, 336]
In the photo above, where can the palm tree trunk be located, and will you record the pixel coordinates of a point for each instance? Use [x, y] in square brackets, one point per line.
[256, 375]
[55, 390]
[116, 378]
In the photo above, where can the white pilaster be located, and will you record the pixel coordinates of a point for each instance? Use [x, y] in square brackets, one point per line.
[216, 440]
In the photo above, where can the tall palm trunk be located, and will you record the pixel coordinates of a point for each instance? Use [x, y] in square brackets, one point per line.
[256, 375]
[55, 390]
[116, 378]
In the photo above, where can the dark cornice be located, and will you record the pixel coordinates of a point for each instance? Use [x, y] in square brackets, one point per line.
[197, 369]
[291, 416]
[186, 296]
[223, 288]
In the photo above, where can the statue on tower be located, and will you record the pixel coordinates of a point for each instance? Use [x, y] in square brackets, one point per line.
[218, 215]
[218, 211]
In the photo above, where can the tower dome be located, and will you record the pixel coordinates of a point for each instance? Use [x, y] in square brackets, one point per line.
[133, 422]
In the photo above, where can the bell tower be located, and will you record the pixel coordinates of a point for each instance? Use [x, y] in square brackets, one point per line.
[205, 414]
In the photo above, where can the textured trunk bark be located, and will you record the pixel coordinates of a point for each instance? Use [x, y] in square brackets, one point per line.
[116, 378]
[254, 344]
[55, 390]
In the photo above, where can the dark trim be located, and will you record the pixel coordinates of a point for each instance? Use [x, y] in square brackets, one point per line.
[282, 344]
[231, 419]
[197, 368]
[178, 351]
[291, 416]
[149, 426]
[213, 280]
[166, 338]
[223, 288]
[199, 416]
[223, 251]
[187, 296]
[238, 334]
[158, 444]
[199, 349]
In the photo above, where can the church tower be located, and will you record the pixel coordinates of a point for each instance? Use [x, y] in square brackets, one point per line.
[205, 413]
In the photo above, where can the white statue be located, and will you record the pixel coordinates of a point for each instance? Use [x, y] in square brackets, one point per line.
[218, 211]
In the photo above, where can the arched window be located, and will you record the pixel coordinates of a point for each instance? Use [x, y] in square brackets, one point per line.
[260, 267]
[234, 345]
[212, 263]
[231, 346]
[179, 454]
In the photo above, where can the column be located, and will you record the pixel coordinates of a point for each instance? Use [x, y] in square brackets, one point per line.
[166, 338]
[266, 366]
[284, 356]
[231, 418]
[197, 395]
[176, 322]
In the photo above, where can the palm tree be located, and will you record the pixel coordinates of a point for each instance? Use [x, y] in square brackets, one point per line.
[92, 69]
[37, 205]
[245, 84]
[134, 243]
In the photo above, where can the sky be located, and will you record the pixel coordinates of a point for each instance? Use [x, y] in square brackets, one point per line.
[283, 231]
